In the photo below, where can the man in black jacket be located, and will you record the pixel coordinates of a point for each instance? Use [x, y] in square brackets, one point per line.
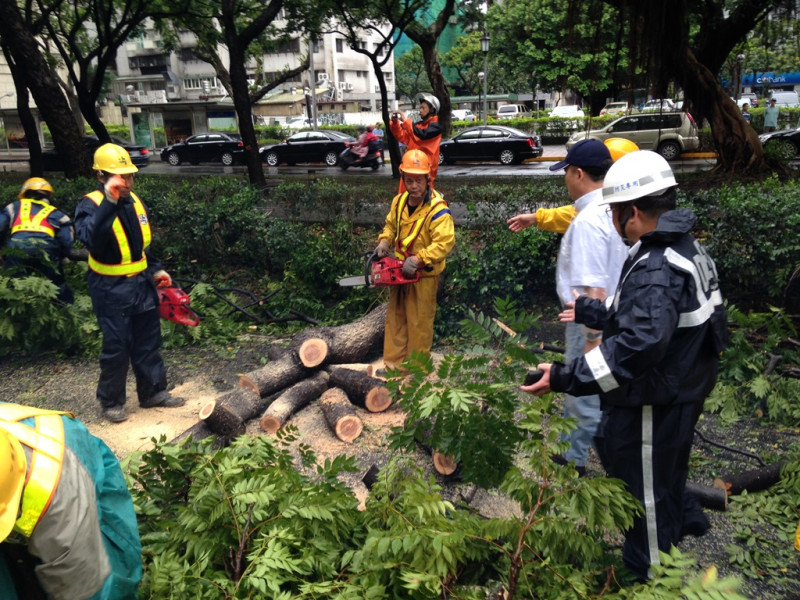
[114, 225]
[663, 332]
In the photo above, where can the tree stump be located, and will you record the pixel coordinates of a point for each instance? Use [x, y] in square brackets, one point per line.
[226, 416]
[292, 400]
[366, 392]
[340, 415]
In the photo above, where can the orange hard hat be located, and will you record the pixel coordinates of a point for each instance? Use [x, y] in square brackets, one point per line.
[415, 162]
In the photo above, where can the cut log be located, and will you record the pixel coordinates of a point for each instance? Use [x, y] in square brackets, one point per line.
[274, 376]
[313, 352]
[198, 431]
[340, 415]
[370, 478]
[364, 391]
[444, 465]
[226, 416]
[752, 481]
[709, 497]
[292, 400]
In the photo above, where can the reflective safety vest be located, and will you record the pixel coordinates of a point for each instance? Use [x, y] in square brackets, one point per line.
[46, 440]
[37, 223]
[401, 246]
[128, 265]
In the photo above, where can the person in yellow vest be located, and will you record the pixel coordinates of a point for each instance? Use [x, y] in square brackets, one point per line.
[114, 225]
[419, 229]
[68, 530]
[558, 219]
[39, 235]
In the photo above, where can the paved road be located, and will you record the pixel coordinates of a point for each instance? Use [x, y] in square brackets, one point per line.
[532, 168]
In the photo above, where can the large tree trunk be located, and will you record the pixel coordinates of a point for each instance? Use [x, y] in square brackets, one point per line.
[43, 84]
[735, 140]
[25, 114]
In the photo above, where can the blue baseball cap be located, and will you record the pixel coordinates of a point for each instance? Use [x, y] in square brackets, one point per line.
[586, 154]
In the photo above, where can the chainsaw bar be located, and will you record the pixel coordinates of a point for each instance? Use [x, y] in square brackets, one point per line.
[355, 280]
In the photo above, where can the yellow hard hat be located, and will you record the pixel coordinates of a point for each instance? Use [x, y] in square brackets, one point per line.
[12, 478]
[113, 159]
[35, 184]
[619, 147]
[415, 162]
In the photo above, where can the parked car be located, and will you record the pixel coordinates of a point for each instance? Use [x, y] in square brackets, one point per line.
[307, 146]
[462, 114]
[513, 111]
[751, 99]
[669, 134]
[567, 111]
[140, 156]
[298, 122]
[213, 146]
[614, 108]
[492, 142]
[665, 105]
[787, 99]
[785, 142]
[742, 101]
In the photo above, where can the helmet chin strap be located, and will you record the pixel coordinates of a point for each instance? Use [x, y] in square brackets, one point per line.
[623, 221]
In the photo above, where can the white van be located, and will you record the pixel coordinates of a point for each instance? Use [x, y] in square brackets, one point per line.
[785, 98]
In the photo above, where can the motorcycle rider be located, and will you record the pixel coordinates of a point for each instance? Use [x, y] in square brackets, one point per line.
[662, 338]
[419, 229]
[425, 134]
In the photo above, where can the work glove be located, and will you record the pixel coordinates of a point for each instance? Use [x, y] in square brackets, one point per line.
[113, 188]
[382, 249]
[162, 279]
[410, 267]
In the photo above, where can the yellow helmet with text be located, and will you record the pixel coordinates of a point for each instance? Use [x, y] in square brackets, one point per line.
[12, 479]
[415, 162]
[35, 184]
[112, 158]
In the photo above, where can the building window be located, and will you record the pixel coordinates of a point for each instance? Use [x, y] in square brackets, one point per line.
[196, 83]
[361, 74]
[339, 45]
[319, 46]
[362, 44]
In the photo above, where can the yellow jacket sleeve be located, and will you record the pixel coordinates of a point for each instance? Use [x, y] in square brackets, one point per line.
[555, 219]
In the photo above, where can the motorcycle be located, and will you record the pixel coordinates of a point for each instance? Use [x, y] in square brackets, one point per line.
[373, 158]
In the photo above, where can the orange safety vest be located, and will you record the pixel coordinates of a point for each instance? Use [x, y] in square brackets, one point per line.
[37, 223]
[128, 265]
[46, 440]
[401, 246]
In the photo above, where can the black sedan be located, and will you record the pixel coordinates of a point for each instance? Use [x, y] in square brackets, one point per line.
[785, 142]
[140, 156]
[307, 146]
[492, 142]
[214, 146]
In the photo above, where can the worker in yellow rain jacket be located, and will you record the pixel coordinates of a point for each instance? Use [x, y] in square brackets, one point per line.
[419, 229]
[68, 530]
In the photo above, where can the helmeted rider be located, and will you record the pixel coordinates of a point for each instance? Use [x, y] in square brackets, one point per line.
[663, 333]
[114, 225]
[39, 235]
[419, 230]
[425, 134]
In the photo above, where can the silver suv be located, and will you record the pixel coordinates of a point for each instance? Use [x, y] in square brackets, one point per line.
[513, 111]
[669, 134]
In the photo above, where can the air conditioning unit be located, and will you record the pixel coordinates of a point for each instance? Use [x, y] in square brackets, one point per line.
[322, 77]
[348, 86]
[339, 95]
[140, 95]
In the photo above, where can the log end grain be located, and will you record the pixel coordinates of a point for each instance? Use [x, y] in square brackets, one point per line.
[444, 465]
[313, 352]
[221, 420]
[349, 428]
[378, 399]
[246, 382]
[270, 424]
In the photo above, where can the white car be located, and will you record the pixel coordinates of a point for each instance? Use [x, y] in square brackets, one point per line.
[462, 114]
[298, 122]
[665, 105]
[568, 111]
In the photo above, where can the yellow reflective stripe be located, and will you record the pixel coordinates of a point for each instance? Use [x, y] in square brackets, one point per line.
[34, 224]
[46, 440]
[19, 412]
[127, 266]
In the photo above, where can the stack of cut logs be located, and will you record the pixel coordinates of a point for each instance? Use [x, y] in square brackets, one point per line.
[315, 365]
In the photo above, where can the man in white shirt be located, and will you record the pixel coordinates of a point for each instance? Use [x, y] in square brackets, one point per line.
[589, 263]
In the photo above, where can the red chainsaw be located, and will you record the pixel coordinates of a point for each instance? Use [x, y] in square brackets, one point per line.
[380, 272]
[173, 305]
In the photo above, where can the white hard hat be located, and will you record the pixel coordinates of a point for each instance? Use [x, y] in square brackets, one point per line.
[636, 175]
[432, 100]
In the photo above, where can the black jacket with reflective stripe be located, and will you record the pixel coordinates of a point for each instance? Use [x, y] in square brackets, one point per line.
[664, 329]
